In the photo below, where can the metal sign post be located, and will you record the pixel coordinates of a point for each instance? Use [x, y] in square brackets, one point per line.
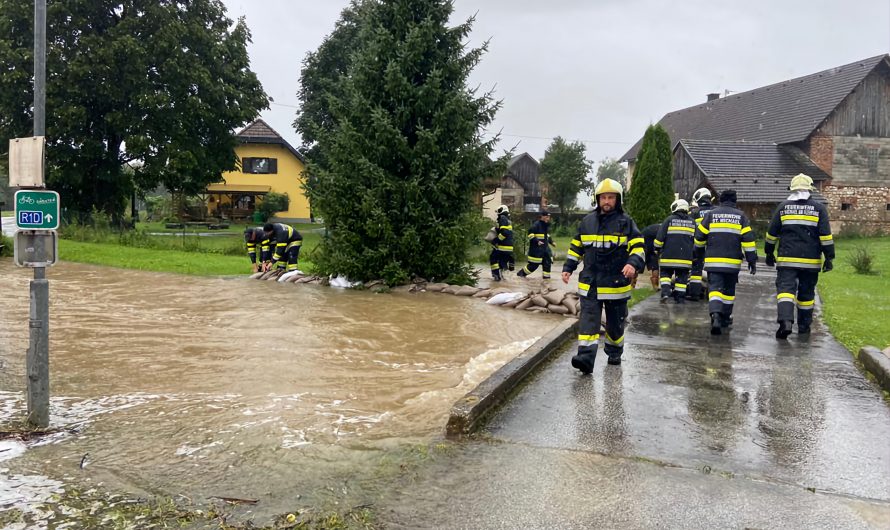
[37, 363]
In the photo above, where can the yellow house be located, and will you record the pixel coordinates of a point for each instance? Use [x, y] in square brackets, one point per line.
[268, 164]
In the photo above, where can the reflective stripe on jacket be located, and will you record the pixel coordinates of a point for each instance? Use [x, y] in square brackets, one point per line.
[504, 240]
[606, 243]
[726, 237]
[675, 241]
[803, 233]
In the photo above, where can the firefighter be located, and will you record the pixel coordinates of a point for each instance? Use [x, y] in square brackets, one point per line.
[539, 243]
[725, 237]
[649, 234]
[800, 224]
[702, 205]
[253, 237]
[674, 244]
[611, 247]
[501, 255]
[287, 245]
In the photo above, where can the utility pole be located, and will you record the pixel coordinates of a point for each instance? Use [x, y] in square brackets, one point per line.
[37, 364]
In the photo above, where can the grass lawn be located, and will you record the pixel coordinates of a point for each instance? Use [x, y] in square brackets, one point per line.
[856, 307]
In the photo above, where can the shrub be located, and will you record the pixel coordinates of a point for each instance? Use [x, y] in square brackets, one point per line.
[861, 259]
[273, 203]
[6, 248]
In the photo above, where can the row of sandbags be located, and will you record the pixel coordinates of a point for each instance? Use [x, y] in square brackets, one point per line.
[545, 300]
[298, 277]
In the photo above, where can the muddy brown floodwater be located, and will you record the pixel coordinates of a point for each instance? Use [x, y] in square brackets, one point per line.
[235, 387]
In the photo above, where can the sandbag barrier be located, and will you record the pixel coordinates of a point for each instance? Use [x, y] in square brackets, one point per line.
[542, 300]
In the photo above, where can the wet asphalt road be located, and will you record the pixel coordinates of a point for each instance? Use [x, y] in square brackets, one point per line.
[692, 431]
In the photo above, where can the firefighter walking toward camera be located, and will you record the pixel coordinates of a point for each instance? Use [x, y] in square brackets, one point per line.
[800, 225]
[611, 247]
[539, 243]
[501, 255]
[287, 246]
[726, 240]
[702, 205]
[674, 244]
[254, 237]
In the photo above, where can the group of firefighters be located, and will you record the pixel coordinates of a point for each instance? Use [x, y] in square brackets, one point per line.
[279, 247]
[716, 239]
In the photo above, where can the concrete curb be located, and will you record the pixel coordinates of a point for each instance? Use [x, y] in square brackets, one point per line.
[467, 414]
[877, 363]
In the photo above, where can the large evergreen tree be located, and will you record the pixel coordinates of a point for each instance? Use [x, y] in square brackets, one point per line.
[652, 187]
[404, 157]
[159, 82]
[564, 170]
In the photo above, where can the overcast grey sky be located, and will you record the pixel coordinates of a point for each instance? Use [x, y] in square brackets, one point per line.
[597, 70]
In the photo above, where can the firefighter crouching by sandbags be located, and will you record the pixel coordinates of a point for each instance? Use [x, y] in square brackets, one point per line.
[649, 234]
[501, 256]
[254, 237]
[611, 247]
[726, 239]
[539, 243]
[674, 244]
[287, 246]
[800, 224]
[701, 205]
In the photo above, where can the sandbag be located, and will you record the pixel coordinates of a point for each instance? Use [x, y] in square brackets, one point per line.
[466, 290]
[558, 308]
[451, 289]
[482, 293]
[257, 275]
[503, 298]
[436, 287]
[539, 301]
[525, 304]
[570, 304]
[514, 303]
[554, 297]
[290, 274]
[537, 309]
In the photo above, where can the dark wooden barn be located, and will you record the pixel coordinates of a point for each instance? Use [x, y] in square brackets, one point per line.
[833, 125]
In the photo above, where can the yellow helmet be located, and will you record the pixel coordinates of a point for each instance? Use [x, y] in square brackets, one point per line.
[801, 182]
[608, 186]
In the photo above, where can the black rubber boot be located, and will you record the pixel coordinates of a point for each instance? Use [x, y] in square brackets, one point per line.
[583, 362]
[521, 273]
[679, 298]
[614, 361]
[496, 275]
[716, 324]
[784, 329]
[802, 330]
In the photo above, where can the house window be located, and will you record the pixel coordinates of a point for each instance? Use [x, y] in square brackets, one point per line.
[872, 161]
[846, 206]
[260, 165]
[888, 207]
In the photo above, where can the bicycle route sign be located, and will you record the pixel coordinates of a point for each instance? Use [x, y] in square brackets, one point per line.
[36, 210]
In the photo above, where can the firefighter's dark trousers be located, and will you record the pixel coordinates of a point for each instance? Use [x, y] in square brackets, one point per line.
[591, 321]
[694, 286]
[535, 261]
[796, 287]
[668, 276]
[721, 292]
[291, 256]
[499, 260]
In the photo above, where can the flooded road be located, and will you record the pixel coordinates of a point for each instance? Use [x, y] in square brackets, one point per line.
[240, 388]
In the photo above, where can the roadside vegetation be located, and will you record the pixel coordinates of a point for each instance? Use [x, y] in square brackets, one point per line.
[856, 306]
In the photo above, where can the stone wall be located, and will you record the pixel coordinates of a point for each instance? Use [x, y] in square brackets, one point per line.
[867, 212]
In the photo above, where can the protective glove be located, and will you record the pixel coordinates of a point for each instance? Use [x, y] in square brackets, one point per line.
[770, 260]
[827, 266]
[752, 267]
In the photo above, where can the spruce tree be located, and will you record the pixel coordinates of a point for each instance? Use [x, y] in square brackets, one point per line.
[652, 187]
[404, 157]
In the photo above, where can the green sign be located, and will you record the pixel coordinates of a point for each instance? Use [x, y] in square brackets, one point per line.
[36, 210]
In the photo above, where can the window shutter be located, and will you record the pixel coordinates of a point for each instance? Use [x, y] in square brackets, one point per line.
[273, 165]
